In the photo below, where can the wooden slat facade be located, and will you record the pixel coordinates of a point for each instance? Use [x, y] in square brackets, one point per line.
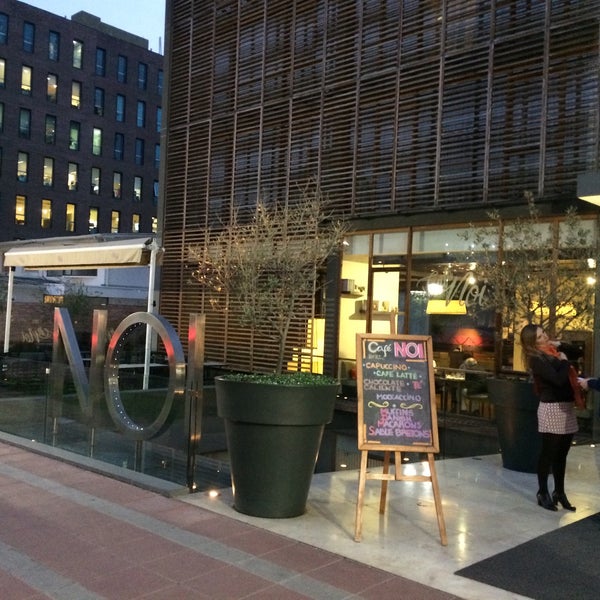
[398, 107]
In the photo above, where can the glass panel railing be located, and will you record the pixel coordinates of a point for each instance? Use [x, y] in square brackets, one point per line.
[29, 410]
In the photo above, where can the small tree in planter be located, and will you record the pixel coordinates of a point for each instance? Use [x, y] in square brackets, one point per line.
[267, 267]
[533, 272]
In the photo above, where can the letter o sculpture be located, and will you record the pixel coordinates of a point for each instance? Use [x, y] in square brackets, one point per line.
[177, 366]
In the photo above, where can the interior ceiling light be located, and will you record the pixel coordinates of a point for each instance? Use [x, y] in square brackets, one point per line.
[434, 288]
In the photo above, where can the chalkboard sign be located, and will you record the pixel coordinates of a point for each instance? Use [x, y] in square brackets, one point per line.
[396, 393]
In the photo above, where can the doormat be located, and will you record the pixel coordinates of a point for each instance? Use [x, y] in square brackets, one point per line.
[561, 564]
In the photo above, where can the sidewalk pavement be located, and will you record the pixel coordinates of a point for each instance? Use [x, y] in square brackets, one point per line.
[69, 533]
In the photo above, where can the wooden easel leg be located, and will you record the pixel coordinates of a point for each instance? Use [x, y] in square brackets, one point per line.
[398, 464]
[361, 495]
[438, 500]
[384, 482]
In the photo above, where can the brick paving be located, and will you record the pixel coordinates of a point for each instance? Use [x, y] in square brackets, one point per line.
[72, 534]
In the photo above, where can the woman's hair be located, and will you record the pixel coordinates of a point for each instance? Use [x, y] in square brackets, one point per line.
[529, 340]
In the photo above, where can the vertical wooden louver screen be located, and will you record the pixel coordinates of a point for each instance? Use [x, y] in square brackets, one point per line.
[402, 106]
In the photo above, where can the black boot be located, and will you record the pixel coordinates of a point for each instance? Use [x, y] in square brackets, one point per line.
[564, 501]
[544, 500]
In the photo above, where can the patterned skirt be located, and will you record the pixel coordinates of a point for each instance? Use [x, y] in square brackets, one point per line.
[557, 417]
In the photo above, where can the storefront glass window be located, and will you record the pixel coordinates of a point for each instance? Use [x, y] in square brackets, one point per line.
[444, 298]
[372, 292]
[431, 282]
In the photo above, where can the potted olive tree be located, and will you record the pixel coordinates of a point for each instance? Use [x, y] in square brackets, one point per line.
[268, 266]
[534, 271]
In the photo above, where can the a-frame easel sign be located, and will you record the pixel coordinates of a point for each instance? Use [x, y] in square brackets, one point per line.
[396, 412]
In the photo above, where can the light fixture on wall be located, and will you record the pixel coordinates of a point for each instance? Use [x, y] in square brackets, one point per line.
[588, 187]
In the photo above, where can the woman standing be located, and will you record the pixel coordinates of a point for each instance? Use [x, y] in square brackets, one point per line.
[556, 386]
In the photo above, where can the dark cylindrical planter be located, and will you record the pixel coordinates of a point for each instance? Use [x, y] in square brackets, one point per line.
[515, 405]
[273, 437]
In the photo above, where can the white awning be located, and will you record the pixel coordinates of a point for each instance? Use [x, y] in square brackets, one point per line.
[83, 252]
[80, 252]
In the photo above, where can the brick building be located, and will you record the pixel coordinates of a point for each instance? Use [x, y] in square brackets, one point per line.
[80, 116]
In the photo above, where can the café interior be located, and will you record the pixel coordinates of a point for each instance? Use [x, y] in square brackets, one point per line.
[425, 282]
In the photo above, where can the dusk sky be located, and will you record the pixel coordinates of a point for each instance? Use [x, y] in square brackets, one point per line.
[145, 18]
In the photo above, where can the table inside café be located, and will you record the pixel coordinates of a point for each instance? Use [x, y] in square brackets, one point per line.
[453, 386]
[449, 383]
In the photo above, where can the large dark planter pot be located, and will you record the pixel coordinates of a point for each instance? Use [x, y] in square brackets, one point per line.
[516, 417]
[273, 437]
